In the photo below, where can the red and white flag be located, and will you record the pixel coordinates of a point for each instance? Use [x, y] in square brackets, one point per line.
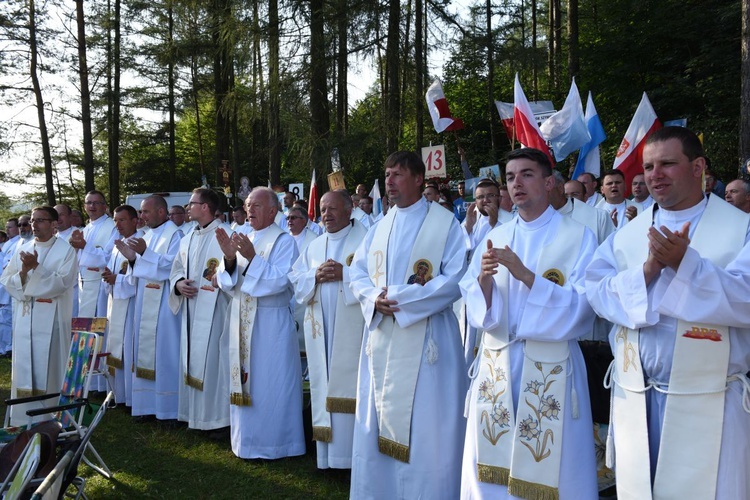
[438, 106]
[527, 131]
[505, 110]
[629, 157]
[312, 203]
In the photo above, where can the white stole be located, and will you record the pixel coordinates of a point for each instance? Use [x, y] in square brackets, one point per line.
[691, 434]
[32, 328]
[243, 311]
[117, 313]
[525, 454]
[97, 235]
[333, 387]
[145, 366]
[396, 352]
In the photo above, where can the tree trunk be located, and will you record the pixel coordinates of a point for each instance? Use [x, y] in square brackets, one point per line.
[83, 70]
[534, 68]
[558, 45]
[551, 45]
[342, 92]
[318, 88]
[419, 73]
[198, 126]
[171, 98]
[274, 126]
[222, 70]
[49, 181]
[745, 93]
[392, 70]
[573, 62]
[114, 159]
[491, 81]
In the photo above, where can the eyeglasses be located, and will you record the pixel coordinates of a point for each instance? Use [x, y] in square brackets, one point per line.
[483, 197]
[94, 203]
[196, 203]
[40, 220]
[176, 213]
[23, 224]
[292, 217]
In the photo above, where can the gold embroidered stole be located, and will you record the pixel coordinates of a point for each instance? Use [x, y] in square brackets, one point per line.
[242, 321]
[152, 291]
[33, 322]
[333, 387]
[694, 414]
[396, 352]
[524, 453]
[117, 312]
[96, 235]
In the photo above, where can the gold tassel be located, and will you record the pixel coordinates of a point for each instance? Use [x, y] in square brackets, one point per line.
[114, 362]
[493, 474]
[193, 382]
[532, 491]
[322, 434]
[239, 399]
[145, 373]
[341, 405]
[393, 449]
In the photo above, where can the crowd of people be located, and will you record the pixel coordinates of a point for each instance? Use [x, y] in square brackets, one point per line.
[447, 344]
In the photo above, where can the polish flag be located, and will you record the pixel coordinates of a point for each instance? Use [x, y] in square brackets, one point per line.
[438, 106]
[527, 131]
[629, 156]
[505, 110]
[313, 201]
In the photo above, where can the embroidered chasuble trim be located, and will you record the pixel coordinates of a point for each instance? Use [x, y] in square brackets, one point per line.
[114, 362]
[239, 399]
[27, 393]
[493, 474]
[190, 381]
[393, 449]
[341, 405]
[322, 434]
[145, 373]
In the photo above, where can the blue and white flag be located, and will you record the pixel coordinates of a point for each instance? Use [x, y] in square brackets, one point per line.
[588, 158]
[565, 131]
[377, 200]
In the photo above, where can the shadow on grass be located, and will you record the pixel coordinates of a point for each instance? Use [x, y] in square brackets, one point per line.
[149, 460]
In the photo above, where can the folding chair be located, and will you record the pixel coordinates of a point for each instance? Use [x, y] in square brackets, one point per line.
[24, 469]
[82, 364]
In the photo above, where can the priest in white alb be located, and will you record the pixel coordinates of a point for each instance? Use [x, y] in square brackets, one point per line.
[203, 394]
[675, 282]
[156, 342]
[40, 278]
[265, 370]
[409, 427]
[529, 428]
[333, 326]
[121, 288]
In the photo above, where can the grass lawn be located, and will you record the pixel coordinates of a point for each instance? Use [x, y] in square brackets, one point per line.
[151, 461]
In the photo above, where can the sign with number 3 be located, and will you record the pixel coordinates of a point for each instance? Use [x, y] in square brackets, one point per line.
[434, 161]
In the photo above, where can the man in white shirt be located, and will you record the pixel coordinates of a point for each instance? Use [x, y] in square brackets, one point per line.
[640, 192]
[614, 203]
[592, 196]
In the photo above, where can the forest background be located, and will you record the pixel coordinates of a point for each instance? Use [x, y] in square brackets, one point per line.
[133, 96]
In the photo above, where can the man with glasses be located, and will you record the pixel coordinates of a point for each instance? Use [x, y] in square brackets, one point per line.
[40, 278]
[6, 311]
[297, 220]
[203, 393]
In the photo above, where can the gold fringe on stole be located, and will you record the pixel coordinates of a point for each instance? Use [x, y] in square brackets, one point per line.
[145, 373]
[341, 405]
[114, 362]
[193, 382]
[393, 449]
[238, 399]
[532, 491]
[322, 434]
[492, 474]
